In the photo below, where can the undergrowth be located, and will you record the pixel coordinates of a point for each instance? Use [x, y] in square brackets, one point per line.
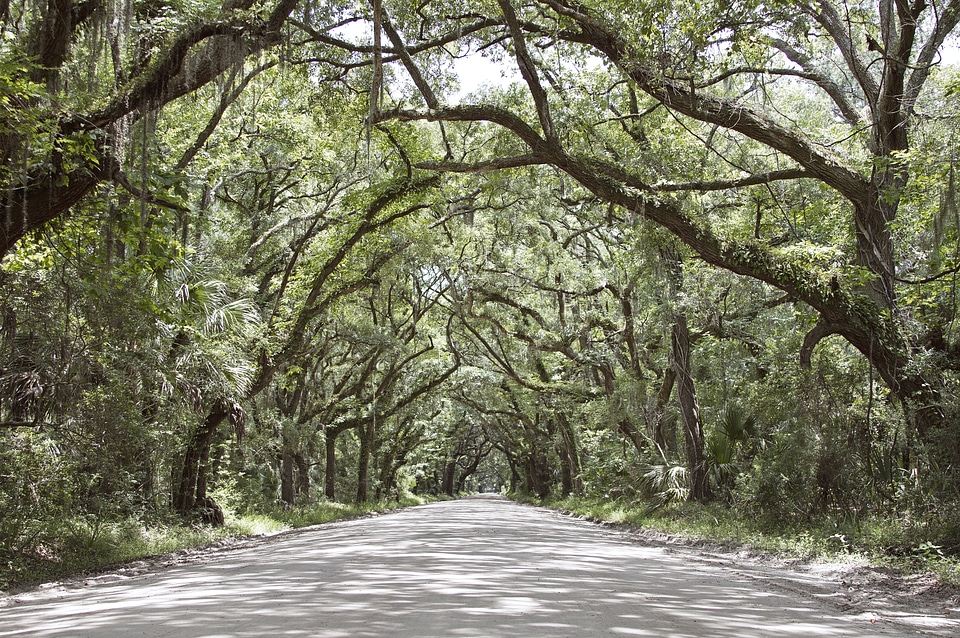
[878, 541]
[87, 544]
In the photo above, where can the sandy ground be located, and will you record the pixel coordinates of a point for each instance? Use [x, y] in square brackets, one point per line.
[474, 567]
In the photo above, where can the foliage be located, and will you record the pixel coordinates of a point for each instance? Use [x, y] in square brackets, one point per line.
[88, 544]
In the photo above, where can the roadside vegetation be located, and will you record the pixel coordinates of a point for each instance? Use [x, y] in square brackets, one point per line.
[880, 542]
[88, 545]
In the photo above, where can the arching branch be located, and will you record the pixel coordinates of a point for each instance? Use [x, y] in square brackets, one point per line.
[819, 332]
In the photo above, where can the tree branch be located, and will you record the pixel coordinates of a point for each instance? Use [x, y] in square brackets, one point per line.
[726, 184]
[819, 332]
[831, 88]
[494, 164]
[528, 71]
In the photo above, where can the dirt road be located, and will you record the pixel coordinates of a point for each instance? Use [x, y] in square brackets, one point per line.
[474, 567]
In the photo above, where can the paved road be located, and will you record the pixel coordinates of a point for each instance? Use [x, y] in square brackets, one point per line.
[475, 567]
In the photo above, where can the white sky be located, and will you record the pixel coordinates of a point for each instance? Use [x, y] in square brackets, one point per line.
[476, 71]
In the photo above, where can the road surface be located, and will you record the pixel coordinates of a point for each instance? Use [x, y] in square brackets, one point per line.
[473, 567]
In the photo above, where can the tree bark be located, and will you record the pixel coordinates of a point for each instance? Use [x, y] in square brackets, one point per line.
[287, 492]
[571, 483]
[363, 461]
[448, 479]
[689, 410]
[330, 471]
[303, 476]
[192, 486]
[661, 437]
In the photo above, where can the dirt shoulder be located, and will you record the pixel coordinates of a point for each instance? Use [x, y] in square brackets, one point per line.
[919, 601]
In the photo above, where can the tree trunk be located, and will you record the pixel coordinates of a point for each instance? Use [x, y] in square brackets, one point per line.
[303, 476]
[363, 462]
[330, 471]
[566, 475]
[515, 478]
[471, 469]
[689, 410]
[449, 476]
[536, 475]
[388, 474]
[287, 494]
[661, 437]
[875, 249]
[569, 459]
[193, 475]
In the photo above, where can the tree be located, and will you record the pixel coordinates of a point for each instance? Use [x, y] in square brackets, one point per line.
[715, 73]
[66, 156]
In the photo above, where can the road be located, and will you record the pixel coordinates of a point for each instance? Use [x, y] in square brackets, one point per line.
[473, 567]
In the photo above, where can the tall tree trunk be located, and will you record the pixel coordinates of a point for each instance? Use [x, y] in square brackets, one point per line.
[566, 476]
[661, 437]
[448, 480]
[303, 476]
[689, 410]
[516, 480]
[569, 459]
[193, 475]
[536, 474]
[363, 462]
[287, 494]
[388, 475]
[330, 471]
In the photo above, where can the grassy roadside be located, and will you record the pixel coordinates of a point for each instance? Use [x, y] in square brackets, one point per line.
[93, 544]
[872, 542]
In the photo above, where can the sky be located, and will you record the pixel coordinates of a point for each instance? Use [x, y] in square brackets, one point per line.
[476, 71]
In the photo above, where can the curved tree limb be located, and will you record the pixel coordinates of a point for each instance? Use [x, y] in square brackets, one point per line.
[819, 332]
[810, 72]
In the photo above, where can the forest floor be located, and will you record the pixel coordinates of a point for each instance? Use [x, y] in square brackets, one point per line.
[481, 567]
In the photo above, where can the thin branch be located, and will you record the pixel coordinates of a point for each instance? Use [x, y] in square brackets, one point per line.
[495, 164]
[225, 101]
[471, 113]
[930, 279]
[831, 88]
[528, 71]
[428, 95]
[120, 178]
[726, 184]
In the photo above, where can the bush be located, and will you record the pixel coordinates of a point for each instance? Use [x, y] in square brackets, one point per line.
[35, 496]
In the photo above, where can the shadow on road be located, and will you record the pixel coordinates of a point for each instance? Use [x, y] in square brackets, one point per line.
[475, 567]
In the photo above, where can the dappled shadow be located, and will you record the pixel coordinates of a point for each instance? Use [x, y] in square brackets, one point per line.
[475, 567]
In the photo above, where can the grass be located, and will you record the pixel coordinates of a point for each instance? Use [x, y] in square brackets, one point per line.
[91, 544]
[877, 542]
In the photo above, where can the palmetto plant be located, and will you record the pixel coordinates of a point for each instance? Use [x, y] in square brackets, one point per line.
[735, 435]
[666, 482]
